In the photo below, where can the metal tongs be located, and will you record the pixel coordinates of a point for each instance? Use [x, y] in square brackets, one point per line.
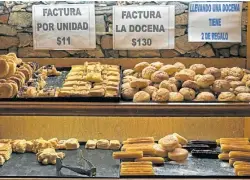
[91, 171]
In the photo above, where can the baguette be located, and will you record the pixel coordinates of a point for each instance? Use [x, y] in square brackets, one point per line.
[228, 147]
[127, 155]
[154, 160]
[224, 156]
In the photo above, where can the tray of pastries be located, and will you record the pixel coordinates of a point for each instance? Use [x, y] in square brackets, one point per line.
[90, 82]
[158, 82]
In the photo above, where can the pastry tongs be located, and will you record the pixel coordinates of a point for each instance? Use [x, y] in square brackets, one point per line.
[91, 172]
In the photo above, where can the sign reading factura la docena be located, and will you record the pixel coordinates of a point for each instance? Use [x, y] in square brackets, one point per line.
[143, 27]
[64, 26]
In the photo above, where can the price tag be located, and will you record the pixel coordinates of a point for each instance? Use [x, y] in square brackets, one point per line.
[143, 27]
[215, 22]
[64, 26]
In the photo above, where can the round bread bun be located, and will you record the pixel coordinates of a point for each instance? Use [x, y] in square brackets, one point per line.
[169, 69]
[246, 78]
[235, 84]
[184, 75]
[6, 90]
[128, 72]
[175, 96]
[14, 87]
[140, 66]
[128, 93]
[191, 84]
[232, 78]
[12, 68]
[137, 74]
[224, 72]
[205, 96]
[2, 80]
[148, 71]
[4, 68]
[205, 81]
[169, 86]
[236, 72]
[157, 65]
[241, 89]
[198, 68]
[150, 90]
[125, 85]
[139, 83]
[243, 97]
[160, 151]
[227, 96]
[181, 139]
[179, 66]
[213, 71]
[159, 76]
[161, 95]
[187, 93]
[141, 96]
[221, 86]
[248, 84]
[169, 142]
[178, 155]
[128, 79]
[175, 81]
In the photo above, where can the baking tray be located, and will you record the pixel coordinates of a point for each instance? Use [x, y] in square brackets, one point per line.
[25, 165]
[57, 81]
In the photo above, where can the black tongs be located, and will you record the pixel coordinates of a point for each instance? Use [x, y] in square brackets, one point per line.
[91, 172]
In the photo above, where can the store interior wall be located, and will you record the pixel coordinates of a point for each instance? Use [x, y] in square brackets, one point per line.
[16, 34]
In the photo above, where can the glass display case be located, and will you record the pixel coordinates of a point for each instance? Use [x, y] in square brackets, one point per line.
[104, 113]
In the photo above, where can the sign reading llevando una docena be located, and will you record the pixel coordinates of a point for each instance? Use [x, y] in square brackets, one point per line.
[215, 22]
[64, 26]
[143, 27]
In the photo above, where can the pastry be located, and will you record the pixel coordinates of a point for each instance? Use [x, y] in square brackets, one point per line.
[175, 96]
[239, 155]
[114, 145]
[161, 95]
[142, 163]
[241, 162]
[246, 78]
[232, 147]
[224, 72]
[128, 79]
[140, 66]
[181, 139]
[247, 84]
[12, 68]
[4, 68]
[125, 146]
[234, 141]
[184, 75]
[224, 156]
[91, 144]
[191, 84]
[40, 144]
[179, 66]
[29, 146]
[13, 57]
[54, 142]
[14, 87]
[178, 154]
[187, 93]
[205, 96]
[147, 149]
[148, 71]
[236, 72]
[159, 76]
[157, 65]
[26, 72]
[168, 85]
[150, 90]
[227, 96]
[2, 160]
[198, 68]
[6, 90]
[139, 83]
[128, 93]
[72, 143]
[102, 144]
[241, 89]
[235, 84]
[128, 72]
[154, 160]
[196, 77]
[141, 96]
[213, 71]
[47, 92]
[169, 142]
[169, 69]
[136, 169]
[160, 151]
[221, 86]
[19, 146]
[243, 97]
[127, 155]
[140, 140]
[49, 156]
[232, 78]
[175, 81]
[97, 92]
[205, 81]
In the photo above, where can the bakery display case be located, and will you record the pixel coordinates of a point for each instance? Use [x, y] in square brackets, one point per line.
[64, 115]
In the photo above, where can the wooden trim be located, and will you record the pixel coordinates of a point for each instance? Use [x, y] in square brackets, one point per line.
[125, 109]
[130, 62]
[247, 127]
[248, 36]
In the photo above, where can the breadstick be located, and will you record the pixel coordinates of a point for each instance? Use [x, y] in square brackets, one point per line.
[135, 145]
[154, 160]
[239, 154]
[218, 142]
[136, 173]
[136, 166]
[228, 147]
[241, 168]
[147, 150]
[233, 160]
[243, 173]
[133, 168]
[139, 140]
[137, 163]
[241, 162]
[234, 141]
[127, 155]
[224, 156]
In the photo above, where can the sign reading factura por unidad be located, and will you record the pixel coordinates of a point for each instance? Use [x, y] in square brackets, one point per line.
[64, 26]
[143, 27]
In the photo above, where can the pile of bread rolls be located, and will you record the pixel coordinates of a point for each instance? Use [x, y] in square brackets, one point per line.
[176, 82]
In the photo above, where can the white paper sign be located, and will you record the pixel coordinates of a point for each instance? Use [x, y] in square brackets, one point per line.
[143, 27]
[64, 26]
[215, 22]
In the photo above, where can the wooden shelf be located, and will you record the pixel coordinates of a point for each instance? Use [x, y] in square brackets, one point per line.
[125, 109]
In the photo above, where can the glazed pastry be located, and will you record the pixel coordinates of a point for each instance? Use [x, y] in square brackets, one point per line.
[175, 96]
[178, 154]
[159, 76]
[184, 75]
[169, 69]
[191, 84]
[187, 93]
[139, 83]
[227, 96]
[48, 156]
[127, 155]
[221, 86]
[140, 66]
[169, 142]
[141, 96]
[91, 144]
[198, 68]
[114, 145]
[161, 95]
[154, 160]
[160, 151]
[168, 85]
[148, 71]
[205, 81]
[181, 139]
[205, 96]
[179, 66]
[102, 144]
[213, 71]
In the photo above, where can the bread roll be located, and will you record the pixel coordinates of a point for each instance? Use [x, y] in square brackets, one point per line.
[175, 96]
[161, 95]
[184, 75]
[246, 78]
[128, 93]
[243, 97]
[205, 96]
[227, 96]
[148, 71]
[241, 89]
[169, 142]
[168, 85]
[157, 65]
[160, 151]
[140, 66]
[232, 78]
[139, 83]
[191, 84]
[221, 86]
[213, 71]
[159, 76]
[128, 72]
[198, 68]
[235, 84]
[178, 155]
[187, 93]
[224, 72]
[205, 81]
[236, 72]
[141, 96]
[150, 90]
[169, 69]
[179, 66]
[175, 81]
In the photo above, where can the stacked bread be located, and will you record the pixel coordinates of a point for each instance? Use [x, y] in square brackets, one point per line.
[162, 83]
[92, 79]
[103, 144]
[5, 151]
[237, 152]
